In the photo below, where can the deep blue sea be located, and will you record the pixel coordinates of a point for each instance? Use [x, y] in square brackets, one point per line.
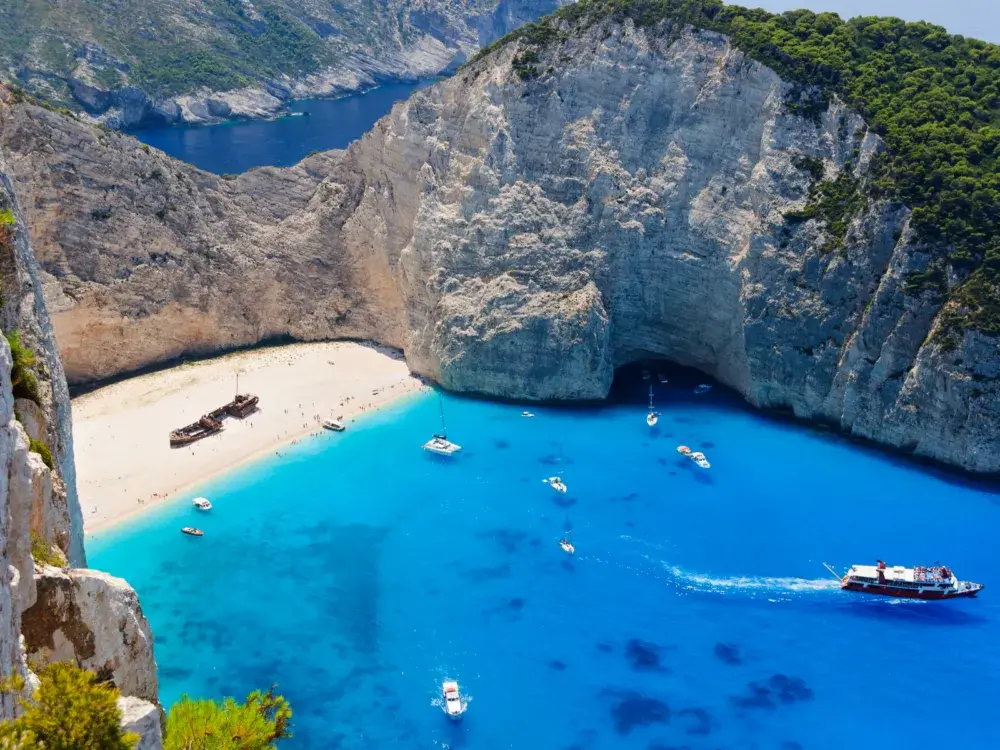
[358, 572]
[234, 147]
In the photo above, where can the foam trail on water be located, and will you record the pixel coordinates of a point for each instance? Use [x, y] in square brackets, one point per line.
[748, 584]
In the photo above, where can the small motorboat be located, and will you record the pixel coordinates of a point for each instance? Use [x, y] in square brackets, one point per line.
[201, 503]
[699, 458]
[567, 546]
[333, 424]
[684, 450]
[651, 417]
[454, 706]
[703, 388]
[662, 378]
[645, 374]
[556, 483]
[527, 414]
[192, 531]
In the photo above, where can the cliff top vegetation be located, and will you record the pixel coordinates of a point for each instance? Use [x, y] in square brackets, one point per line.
[933, 97]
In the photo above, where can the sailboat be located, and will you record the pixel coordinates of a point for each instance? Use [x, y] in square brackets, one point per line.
[566, 543]
[440, 444]
[652, 417]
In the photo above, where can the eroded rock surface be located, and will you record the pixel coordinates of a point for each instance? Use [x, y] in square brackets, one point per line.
[143, 718]
[94, 619]
[523, 238]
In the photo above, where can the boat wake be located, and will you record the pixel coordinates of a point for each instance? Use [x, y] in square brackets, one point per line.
[747, 584]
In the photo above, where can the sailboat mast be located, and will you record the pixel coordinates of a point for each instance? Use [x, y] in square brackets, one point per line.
[651, 398]
[444, 428]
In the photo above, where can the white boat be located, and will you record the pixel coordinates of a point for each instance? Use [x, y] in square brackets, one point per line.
[454, 706]
[440, 444]
[645, 374]
[201, 503]
[663, 378]
[703, 388]
[684, 450]
[567, 546]
[192, 531]
[699, 458]
[527, 414]
[333, 424]
[556, 483]
[652, 417]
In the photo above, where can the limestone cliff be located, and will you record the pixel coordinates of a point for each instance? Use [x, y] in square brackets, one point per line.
[51, 613]
[521, 231]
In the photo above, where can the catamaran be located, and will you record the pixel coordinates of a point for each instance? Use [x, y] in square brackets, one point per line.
[652, 417]
[934, 582]
[440, 444]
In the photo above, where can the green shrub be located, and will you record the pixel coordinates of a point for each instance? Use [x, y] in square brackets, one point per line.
[7, 218]
[70, 710]
[22, 378]
[256, 724]
[42, 449]
[45, 553]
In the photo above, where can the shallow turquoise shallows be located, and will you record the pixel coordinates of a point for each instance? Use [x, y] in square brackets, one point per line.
[358, 572]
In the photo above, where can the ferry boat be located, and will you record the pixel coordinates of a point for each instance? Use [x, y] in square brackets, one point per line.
[334, 425]
[936, 582]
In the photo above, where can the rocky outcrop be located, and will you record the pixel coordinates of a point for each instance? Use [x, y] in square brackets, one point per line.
[142, 718]
[133, 70]
[94, 619]
[77, 615]
[524, 236]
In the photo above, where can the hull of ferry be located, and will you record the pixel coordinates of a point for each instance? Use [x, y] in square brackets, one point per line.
[899, 593]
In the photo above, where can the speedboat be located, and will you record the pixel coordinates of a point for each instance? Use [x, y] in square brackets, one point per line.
[684, 450]
[567, 546]
[651, 419]
[333, 424]
[454, 706]
[556, 483]
[931, 582]
[442, 446]
[201, 503]
[699, 458]
[703, 388]
[192, 531]
[527, 414]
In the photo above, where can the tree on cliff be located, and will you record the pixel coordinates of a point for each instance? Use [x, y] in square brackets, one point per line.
[70, 710]
[256, 724]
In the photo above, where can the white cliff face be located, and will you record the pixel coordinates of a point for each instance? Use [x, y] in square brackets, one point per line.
[142, 718]
[95, 620]
[523, 238]
[81, 616]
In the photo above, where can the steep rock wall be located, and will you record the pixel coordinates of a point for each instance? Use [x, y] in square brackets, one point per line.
[95, 620]
[522, 238]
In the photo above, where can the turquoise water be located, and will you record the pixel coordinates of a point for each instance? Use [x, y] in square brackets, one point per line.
[238, 146]
[358, 572]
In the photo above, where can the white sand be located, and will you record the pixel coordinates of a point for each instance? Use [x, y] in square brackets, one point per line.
[124, 461]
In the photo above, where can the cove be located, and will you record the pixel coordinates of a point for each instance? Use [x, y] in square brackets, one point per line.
[358, 572]
[310, 125]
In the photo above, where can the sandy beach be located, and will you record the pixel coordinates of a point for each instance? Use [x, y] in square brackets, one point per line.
[125, 464]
